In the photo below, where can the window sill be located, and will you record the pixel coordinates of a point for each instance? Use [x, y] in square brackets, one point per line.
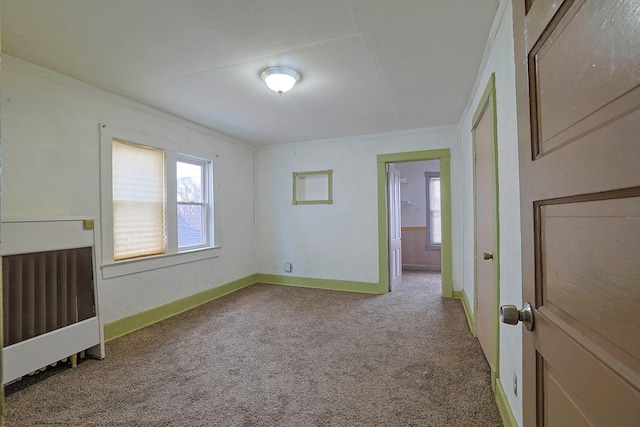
[123, 268]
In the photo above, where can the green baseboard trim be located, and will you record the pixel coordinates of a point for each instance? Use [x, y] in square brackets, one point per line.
[137, 321]
[447, 288]
[328, 284]
[467, 310]
[124, 326]
[494, 377]
[508, 420]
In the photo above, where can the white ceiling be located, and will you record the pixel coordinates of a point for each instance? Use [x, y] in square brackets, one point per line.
[368, 66]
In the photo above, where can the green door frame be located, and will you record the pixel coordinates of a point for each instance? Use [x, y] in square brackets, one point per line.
[444, 156]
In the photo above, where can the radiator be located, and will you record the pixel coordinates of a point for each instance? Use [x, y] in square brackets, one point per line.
[50, 308]
[45, 291]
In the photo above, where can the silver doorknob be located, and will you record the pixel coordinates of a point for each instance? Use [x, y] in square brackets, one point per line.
[487, 256]
[510, 315]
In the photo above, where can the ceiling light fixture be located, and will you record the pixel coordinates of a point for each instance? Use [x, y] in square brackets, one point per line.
[280, 79]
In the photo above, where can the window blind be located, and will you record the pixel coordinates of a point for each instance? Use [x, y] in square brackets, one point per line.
[138, 201]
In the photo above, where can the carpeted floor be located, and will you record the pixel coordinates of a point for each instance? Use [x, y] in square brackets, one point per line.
[282, 356]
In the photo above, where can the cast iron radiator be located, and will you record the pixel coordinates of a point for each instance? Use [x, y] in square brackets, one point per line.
[46, 291]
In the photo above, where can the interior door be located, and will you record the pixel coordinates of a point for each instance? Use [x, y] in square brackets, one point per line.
[486, 316]
[395, 226]
[578, 89]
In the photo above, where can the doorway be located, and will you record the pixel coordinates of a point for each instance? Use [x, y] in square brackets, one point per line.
[421, 215]
[443, 156]
[420, 230]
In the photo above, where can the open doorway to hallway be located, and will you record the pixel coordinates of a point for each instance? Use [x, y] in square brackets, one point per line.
[421, 226]
[443, 155]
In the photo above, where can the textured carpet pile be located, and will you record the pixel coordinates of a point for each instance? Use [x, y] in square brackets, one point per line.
[281, 356]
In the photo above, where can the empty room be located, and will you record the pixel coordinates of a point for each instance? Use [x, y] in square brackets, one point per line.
[320, 213]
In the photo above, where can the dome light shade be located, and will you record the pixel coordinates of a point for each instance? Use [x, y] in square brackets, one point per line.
[280, 79]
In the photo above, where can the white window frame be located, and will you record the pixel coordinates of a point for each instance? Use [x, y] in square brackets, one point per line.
[207, 196]
[173, 256]
[430, 245]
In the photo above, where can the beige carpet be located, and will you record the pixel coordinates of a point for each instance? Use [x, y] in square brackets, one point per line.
[281, 356]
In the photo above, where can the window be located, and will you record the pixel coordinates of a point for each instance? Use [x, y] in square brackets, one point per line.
[192, 202]
[138, 201]
[157, 203]
[434, 225]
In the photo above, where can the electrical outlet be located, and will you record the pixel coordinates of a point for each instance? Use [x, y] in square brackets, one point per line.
[288, 267]
[515, 384]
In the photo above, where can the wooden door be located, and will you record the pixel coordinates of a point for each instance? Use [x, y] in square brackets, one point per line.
[578, 90]
[485, 218]
[395, 226]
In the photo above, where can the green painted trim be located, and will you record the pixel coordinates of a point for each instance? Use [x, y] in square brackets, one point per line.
[496, 228]
[383, 234]
[334, 285]
[137, 321]
[447, 238]
[443, 155]
[462, 296]
[508, 419]
[488, 103]
[495, 376]
[329, 201]
[414, 156]
[489, 91]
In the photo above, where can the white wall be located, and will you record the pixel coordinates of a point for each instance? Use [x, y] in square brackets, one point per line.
[50, 138]
[415, 191]
[51, 169]
[338, 241]
[500, 62]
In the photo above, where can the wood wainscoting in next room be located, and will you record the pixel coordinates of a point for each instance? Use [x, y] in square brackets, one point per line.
[415, 255]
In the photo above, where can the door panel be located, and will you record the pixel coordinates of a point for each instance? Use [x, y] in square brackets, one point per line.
[572, 55]
[592, 378]
[578, 90]
[589, 249]
[395, 226]
[485, 214]
[562, 405]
